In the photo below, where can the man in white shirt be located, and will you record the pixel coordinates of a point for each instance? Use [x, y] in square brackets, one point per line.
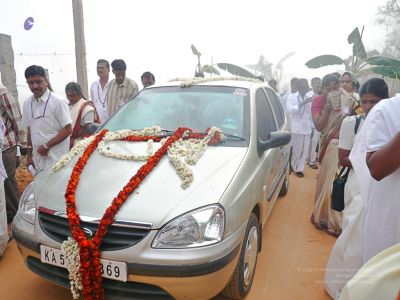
[47, 119]
[299, 110]
[315, 134]
[293, 89]
[381, 194]
[98, 89]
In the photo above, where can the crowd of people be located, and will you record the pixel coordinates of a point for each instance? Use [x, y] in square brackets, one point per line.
[355, 131]
[49, 125]
[336, 125]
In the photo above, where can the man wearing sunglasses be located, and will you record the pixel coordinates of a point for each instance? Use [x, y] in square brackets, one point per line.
[47, 119]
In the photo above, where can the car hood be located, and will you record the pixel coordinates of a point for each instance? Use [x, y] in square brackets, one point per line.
[158, 199]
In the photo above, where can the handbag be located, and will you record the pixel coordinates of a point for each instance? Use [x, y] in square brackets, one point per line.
[337, 196]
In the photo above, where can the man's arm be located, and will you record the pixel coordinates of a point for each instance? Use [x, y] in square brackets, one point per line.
[386, 160]
[61, 136]
[29, 159]
[321, 119]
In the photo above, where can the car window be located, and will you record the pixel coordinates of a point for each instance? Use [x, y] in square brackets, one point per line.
[277, 107]
[265, 119]
[196, 107]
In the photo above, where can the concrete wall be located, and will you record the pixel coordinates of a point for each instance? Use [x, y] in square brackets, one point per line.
[8, 76]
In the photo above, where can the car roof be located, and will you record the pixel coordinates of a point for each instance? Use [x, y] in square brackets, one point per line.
[233, 81]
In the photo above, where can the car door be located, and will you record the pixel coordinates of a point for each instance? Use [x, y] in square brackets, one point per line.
[268, 167]
[280, 118]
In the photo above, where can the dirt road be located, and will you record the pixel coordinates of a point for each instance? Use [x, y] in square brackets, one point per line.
[290, 266]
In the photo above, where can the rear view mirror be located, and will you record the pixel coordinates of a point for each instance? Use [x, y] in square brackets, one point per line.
[276, 139]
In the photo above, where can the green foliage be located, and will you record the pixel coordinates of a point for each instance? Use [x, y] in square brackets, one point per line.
[324, 60]
[385, 66]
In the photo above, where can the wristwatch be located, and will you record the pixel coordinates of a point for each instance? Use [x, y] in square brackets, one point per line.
[46, 147]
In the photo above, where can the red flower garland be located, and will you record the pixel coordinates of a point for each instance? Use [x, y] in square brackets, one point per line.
[89, 249]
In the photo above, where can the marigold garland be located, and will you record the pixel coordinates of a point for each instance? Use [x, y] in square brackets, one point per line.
[89, 249]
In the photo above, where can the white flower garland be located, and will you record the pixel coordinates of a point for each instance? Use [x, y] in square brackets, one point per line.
[186, 82]
[78, 147]
[109, 136]
[71, 249]
[120, 134]
[103, 150]
[191, 151]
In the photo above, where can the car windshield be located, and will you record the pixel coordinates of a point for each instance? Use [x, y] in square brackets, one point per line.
[196, 107]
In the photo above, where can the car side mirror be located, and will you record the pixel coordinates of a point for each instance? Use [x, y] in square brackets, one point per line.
[276, 139]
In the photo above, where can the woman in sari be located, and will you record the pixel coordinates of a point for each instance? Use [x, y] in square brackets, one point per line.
[328, 111]
[83, 113]
[346, 256]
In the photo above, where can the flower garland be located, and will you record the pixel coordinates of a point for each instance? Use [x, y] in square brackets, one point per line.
[125, 134]
[76, 149]
[71, 249]
[186, 82]
[140, 157]
[89, 281]
[191, 149]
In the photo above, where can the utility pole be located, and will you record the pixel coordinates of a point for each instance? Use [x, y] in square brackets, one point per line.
[80, 46]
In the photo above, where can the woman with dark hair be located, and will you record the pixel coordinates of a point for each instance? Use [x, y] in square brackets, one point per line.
[346, 256]
[348, 87]
[83, 113]
[328, 111]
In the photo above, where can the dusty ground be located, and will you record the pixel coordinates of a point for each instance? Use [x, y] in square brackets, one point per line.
[290, 266]
[23, 176]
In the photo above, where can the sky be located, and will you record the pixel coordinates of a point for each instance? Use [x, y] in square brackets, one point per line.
[156, 35]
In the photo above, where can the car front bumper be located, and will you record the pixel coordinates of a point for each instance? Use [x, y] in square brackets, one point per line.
[200, 279]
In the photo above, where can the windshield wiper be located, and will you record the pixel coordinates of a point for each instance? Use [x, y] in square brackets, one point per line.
[232, 136]
[227, 135]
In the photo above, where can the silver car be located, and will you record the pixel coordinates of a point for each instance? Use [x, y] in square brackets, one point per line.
[167, 242]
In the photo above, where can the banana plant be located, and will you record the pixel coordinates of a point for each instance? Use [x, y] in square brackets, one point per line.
[385, 66]
[269, 70]
[354, 64]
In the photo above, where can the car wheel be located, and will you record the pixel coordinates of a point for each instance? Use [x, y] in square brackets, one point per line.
[285, 187]
[242, 278]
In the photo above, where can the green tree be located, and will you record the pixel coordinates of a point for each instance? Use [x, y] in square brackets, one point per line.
[389, 15]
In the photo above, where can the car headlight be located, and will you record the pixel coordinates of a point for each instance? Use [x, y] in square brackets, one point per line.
[201, 227]
[27, 205]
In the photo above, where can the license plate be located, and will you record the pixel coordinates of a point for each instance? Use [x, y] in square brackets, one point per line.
[111, 269]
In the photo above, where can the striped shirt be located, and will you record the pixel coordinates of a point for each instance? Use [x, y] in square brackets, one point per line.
[118, 95]
[11, 116]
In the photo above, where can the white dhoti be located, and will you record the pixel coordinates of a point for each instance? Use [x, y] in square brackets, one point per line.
[314, 142]
[300, 144]
[347, 256]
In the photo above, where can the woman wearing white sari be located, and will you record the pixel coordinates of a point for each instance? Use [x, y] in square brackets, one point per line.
[346, 256]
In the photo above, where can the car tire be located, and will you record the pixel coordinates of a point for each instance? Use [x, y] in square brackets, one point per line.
[285, 187]
[242, 278]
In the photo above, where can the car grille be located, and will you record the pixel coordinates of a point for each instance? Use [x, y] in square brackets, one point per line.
[115, 290]
[117, 237]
